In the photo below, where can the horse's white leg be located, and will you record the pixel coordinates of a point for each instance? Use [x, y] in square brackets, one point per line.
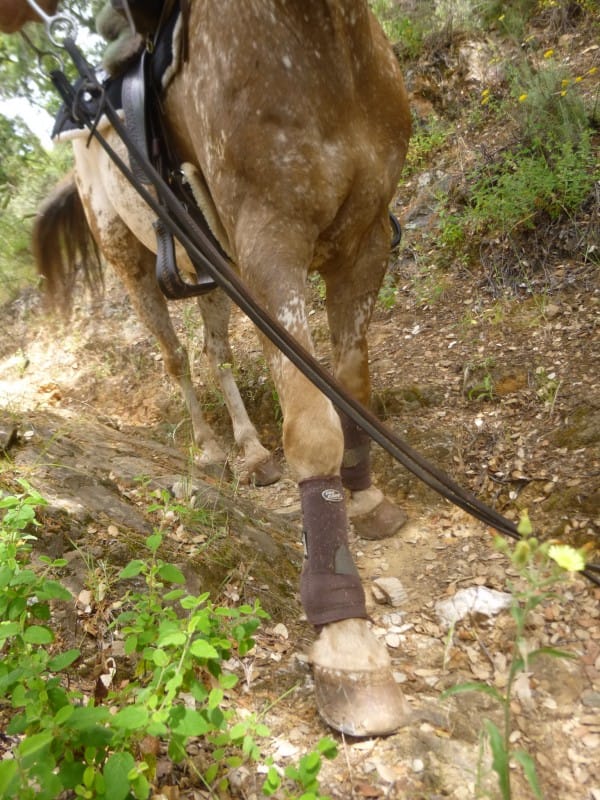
[134, 265]
[355, 689]
[351, 296]
[259, 466]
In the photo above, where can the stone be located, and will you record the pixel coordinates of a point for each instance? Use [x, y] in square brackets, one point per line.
[390, 591]
[473, 600]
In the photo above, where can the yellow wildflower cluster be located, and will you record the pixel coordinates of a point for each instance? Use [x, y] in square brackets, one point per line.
[566, 82]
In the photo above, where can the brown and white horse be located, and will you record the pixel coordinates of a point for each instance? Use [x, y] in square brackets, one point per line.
[63, 243]
[294, 116]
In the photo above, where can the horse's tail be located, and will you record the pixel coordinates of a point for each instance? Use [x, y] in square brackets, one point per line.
[63, 245]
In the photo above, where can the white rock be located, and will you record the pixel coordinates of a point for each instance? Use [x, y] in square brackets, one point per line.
[284, 749]
[474, 600]
[391, 590]
[281, 631]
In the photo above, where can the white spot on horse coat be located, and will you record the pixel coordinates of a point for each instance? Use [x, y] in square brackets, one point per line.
[293, 314]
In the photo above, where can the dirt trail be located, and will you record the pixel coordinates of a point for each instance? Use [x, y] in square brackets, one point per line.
[90, 472]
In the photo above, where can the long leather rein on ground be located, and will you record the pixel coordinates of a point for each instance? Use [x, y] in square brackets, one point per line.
[201, 250]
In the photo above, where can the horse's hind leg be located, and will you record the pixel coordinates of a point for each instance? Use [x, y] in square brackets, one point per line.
[354, 684]
[355, 688]
[259, 465]
[134, 264]
[351, 296]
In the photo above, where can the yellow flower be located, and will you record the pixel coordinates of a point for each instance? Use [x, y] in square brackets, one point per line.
[592, 71]
[567, 557]
[578, 79]
[522, 97]
[549, 53]
[565, 82]
[501, 17]
[563, 93]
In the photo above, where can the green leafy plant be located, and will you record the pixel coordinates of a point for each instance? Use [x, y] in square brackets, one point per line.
[92, 748]
[169, 510]
[404, 30]
[179, 643]
[478, 383]
[429, 137]
[453, 230]
[483, 390]
[30, 671]
[304, 776]
[541, 567]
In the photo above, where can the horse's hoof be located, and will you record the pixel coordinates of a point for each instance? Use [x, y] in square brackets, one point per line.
[266, 473]
[360, 703]
[383, 521]
[215, 468]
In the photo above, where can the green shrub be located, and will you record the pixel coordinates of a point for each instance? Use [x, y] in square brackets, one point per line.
[71, 745]
[428, 138]
[554, 178]
[510, 18]
[27, 172]
[551, 171]
[404, 30]
[546, 102]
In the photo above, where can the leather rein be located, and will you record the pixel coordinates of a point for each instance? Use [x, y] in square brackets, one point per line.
[202, 251]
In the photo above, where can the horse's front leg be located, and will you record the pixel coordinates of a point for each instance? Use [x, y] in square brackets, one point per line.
[135, 266]
[259, 465]
[355, 689]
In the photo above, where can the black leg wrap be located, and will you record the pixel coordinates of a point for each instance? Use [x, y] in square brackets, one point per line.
[356, 465]
[330, 586]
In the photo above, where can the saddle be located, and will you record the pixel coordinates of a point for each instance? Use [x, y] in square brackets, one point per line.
[140, 94]
[135, 86]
